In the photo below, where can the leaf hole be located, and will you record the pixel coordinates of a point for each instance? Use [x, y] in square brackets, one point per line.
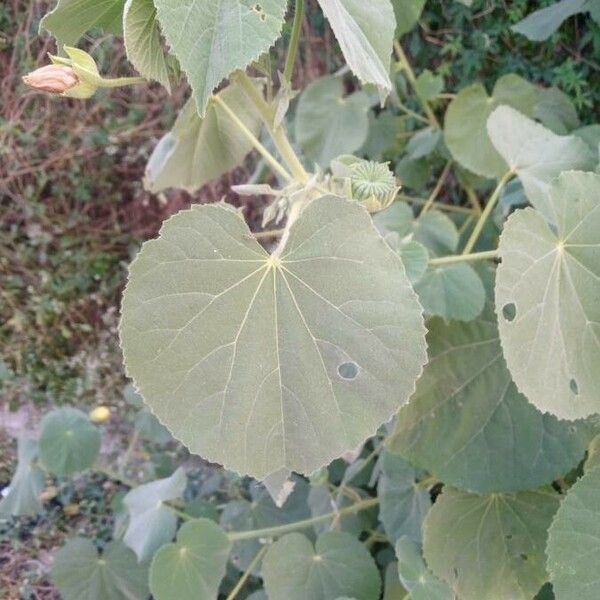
[509, 311]
[574, 387]
[348, 370]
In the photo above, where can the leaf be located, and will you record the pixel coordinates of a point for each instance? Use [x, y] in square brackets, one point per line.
[27, 484]
[407, 14]
[279, 485]
[489, 547]
[393, 589]
[78, 572]
[536, 154]
[211, 39]
[338, 565]
[468, 425]
[428, 86]
[423, 143]
[414, 256]
[416, 577]
[453, 292]
[68, 442]
[466, 118]
[329, 124]
[541, 24]
[150, 428]
[574, 541]
[180, 159]
[263, 362]
[142, 41]
[365, 33]
[547, 299]
[403, 505]
[70, 19]
[151, 525]
[556, 111]
[193, 567]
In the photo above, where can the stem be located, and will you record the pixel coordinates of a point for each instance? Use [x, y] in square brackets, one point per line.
[458, 258]
[270, 532]
[242, 580]
[473, 199]
[255, 142]
[127, 454]
[259, 235]
[121, 81]
[438, 188]
[487, 211]
[410, 74]
[439, 205]
[290, 60]
[411, 113]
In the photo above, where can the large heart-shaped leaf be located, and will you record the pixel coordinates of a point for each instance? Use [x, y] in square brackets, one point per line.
[490, 547]
[263, 362]
[574, 542]
[536, 154]
[213, 38]
[547, 298]
[365, 33]
[338, 565]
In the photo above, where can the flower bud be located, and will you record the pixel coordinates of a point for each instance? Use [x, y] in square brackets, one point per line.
[100, 414]
[54, 79]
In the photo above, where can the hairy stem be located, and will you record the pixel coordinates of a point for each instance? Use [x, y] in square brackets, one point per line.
[290, 60]
[458, 258]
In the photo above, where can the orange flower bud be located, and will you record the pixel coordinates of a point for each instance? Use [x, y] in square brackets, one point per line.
[55, 79]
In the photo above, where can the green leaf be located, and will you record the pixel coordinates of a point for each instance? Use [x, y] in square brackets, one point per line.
[68, 442]
[403, 505]
[151, 525]
[142, 41]
[574, 542]
[556, 111]
[151, 429]
[70, 19]
[468, 425]
[329, 124]
[407, 14]
[193, 567]
[466, 118]
[547, 298]
[265, 362]
[338, 565]
[541, 24]
[423, 143]
[392, 588]
[489, 547]
[78, 572]
[211, 39]
[28, 482]
[414, 255]
[365, 33]
[536, 154]
[180, 159]
[428, 85]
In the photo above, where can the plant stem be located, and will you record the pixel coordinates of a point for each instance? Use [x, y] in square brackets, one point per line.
[121, 81]
[255, 142]
[290, 60]
[411, 113]
[259, 235]
[410, 74]
[437, 189]
[270, 532]
[242, 580]
[127, 454]
[458, 258]
[487, 211]
[439, 205]
[279, 136]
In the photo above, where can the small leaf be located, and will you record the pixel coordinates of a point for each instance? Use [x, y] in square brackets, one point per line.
[423, 143]
[151, 524]
[365, 33]
[193, 567]
[78, 572]
[329, 124]
[428, 86]
[436, 232]
[68, 442]
[574, 541]
[212, 39]
[541, 24]
[338, 565]
[180, 159]
[504, 535]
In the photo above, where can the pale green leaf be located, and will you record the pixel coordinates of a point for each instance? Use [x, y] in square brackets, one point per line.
[489, 547]
[78, 572]
[414, 255]
[536, 154]
[279, 485]
[213, 38]
[468, 425]
[556, 111]
[423, 143]
[547, 294]
[193, 567]
[407, 14]
[574, 542]
[329, 124]
[70, 19]
[365, 33]
[436, 232]
[338, 565]
[428, 85]
[198, 150]
[27, 484]
[542, 23]
[151, 524]
[265, 362]
[466, 118]
[392, 588]
[68, 442]
[142, 41]
[150, 428]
